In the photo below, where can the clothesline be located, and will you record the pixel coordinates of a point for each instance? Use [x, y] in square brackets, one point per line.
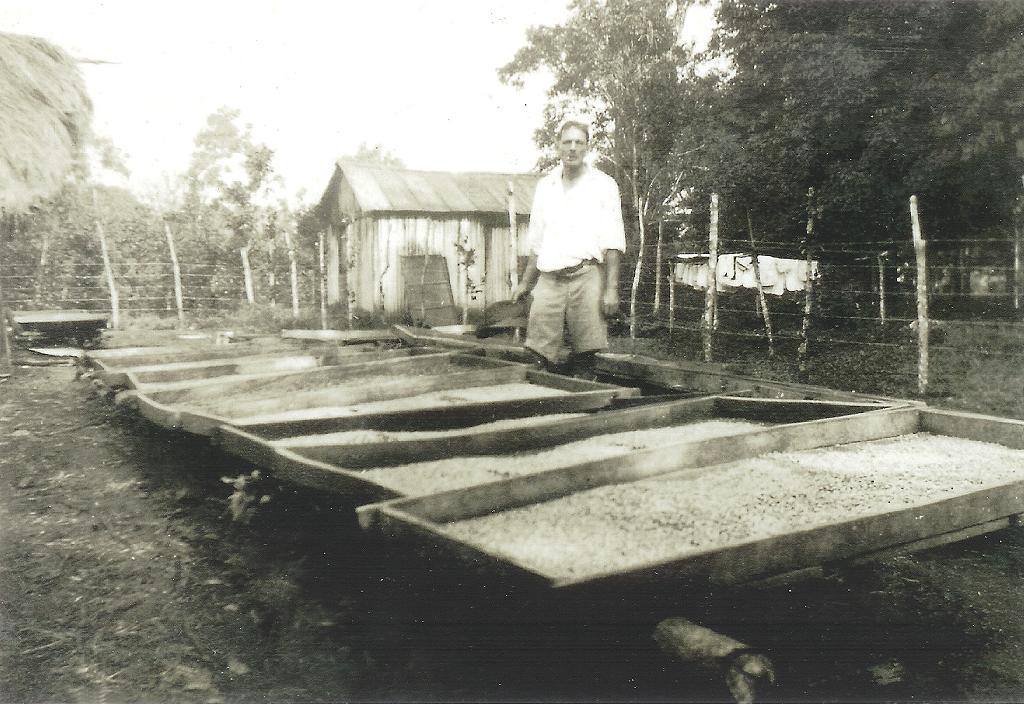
[777, 274]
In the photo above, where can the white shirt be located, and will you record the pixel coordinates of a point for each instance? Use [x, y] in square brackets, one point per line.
[569, 224]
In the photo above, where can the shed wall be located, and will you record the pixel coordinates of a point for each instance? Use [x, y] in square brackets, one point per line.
[378, 243]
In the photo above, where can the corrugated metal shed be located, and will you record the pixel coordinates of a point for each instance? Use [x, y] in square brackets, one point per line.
[371, 188]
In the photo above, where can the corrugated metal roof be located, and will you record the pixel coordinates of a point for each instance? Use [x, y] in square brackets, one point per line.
[378, 188]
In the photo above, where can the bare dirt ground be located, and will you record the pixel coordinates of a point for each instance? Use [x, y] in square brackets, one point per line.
[123, 578]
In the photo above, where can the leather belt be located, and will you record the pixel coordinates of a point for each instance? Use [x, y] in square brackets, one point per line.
[570, 270]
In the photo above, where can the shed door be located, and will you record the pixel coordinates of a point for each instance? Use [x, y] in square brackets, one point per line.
[428, 290]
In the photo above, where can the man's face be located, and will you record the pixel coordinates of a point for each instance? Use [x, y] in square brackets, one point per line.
[572, 146]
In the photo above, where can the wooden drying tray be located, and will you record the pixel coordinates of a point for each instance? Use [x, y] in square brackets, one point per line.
[419, 520]
[340, 468]
[337, 467]
[639, 370]
[127, 357]
[200, 406]
[81, 324]
[137, 376]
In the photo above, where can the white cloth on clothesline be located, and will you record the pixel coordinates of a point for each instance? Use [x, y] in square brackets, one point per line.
[778, 274]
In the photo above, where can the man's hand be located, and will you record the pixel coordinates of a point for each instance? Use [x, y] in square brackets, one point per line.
[609, 302]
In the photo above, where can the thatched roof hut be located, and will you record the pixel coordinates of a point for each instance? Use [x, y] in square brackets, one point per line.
[44, 115]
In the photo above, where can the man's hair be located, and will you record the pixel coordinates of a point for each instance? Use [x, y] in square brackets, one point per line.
[579, 124]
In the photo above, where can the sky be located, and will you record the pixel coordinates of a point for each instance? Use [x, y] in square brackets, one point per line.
[315, 79]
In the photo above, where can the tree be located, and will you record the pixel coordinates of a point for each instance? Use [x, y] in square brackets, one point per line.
[376, 154]
[230, 191]
[866, 102]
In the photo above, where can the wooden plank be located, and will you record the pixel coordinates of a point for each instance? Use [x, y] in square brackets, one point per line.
[934, 541]
[166, 355]
[426, 538]
[205, 421]
[834, 567]
[157, 413]
[683, 375]
[343, 337]
[568, 383]
[973, 426]
[432, 418]
[106, 358]
[206, 369]
[472, 443]
[428, 291]
[462, 504]
[787, 410]
[288, 466]
[489, 348]
[423, 336]
[400, 361]
[303, 471]
[42, 317]
[196, 371]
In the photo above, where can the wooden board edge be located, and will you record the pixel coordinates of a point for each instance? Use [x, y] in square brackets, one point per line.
[243, 445]
[790, 410]
[974, 426]
[196, 422]
[344, 337]
[697, 375]
[450, 379]
[474, 442]
[570, 402]
[392, 523]
[179, 392]
[155, 412]
[328, 478]
[569, 383]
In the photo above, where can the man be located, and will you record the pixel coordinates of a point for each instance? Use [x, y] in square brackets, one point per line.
[575, 242]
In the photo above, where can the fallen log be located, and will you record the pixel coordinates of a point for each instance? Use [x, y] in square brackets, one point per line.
[743, 668]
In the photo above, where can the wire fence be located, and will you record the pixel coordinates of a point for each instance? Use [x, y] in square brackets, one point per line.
[149, 288]
[856, 303]
[852, 302]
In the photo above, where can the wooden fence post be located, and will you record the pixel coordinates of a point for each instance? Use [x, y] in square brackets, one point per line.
[760, 290]
[44, 250]
[711, 293]
[115, 301]
[5, 341]
[658, 255]
[634, 288]
[323, 281]
[671, 304]
[179, 299]
[922, 297]
[1018, 269]
[513, 239]
[881, 286]
[805, 325]
[293, 273]
[250, 291]
[1019, 253]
